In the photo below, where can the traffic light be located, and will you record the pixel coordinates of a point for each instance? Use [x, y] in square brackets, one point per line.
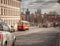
[58, 1]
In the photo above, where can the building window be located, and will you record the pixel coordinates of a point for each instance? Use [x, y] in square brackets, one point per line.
[1, 11]
[8, 2]
[18, 4]
[1, 1]
[4, 1]
[4, 11]
[13, 3]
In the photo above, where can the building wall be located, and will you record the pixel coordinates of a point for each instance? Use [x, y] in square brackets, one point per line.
[10, 11]
[53, 18]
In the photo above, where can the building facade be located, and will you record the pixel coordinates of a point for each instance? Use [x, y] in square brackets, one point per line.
[10, 11]
[53, 18]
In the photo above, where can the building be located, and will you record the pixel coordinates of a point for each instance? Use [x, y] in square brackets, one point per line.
[38, 16]
[27, 15]
[51, 18]
[23, 16]
[10, 11]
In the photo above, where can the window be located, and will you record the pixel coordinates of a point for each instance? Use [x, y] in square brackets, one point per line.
[4, 1]
[1, 1]
[8, 2]
[4, 11]
[1, 11]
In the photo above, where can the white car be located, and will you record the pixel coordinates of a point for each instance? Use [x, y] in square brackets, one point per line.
[7, 38]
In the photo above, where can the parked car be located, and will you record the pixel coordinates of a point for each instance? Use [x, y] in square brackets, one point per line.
[7, 38]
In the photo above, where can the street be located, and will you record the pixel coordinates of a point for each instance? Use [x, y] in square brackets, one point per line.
[37, 37]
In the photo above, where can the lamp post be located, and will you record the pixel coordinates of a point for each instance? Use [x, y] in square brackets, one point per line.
[42, 18]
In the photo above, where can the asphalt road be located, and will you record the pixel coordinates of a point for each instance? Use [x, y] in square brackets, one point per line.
[37, 37]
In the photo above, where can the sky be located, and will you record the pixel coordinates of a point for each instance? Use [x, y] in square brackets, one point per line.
[45, 5]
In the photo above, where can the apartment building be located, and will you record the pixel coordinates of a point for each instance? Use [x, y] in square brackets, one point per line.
[10, 11]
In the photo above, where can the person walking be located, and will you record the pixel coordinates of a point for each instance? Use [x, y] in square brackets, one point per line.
[12, 29]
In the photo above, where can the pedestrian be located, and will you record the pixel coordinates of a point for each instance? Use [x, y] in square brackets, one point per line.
[54, 24]
[12, 29]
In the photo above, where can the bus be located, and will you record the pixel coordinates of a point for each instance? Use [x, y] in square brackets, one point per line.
[23, 25]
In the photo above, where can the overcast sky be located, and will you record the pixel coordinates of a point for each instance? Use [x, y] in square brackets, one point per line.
[45, 5]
